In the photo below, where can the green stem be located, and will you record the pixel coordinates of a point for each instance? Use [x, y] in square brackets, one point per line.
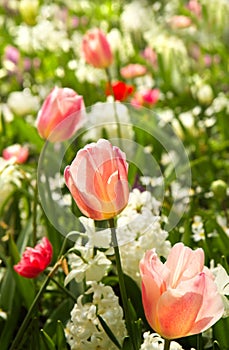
[167, 344]
[35, 214]
[115, 109]
[199, 341]
[122, 284]
[28, 316]
[65, 290]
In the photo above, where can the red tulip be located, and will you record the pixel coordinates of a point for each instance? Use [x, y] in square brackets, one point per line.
[120, 90]
[96, 49]
[17, 153]
[180, 297]
[61, 115]
[97, 180]
[35, 260]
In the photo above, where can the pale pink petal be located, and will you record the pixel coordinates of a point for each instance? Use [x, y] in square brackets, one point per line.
[184, 263]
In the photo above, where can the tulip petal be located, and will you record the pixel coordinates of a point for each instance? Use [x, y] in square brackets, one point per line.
[184, 263]
[211, 309]
[177, 313]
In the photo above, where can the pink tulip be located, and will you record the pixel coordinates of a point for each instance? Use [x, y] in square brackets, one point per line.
[180, 297]
[17, 153]
[132, 71]
[96, 49]
[150, 56]
[35, 260]
[97, 180]
[180, 22]
[61, 115]
[195, 7]
[147, 98]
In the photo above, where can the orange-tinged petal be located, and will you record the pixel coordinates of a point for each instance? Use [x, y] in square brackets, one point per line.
[177, 313]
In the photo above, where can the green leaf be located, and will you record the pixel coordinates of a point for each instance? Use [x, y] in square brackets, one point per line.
[61, 313]
[134, 294]
[220, 332]
[46, 342]
[127, 344]
[7, 291]
[13, 314]
[109, 332]
[61, 343]
[25, 286]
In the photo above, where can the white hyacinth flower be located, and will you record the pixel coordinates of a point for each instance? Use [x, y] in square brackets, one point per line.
[84, 330]
[153, 341]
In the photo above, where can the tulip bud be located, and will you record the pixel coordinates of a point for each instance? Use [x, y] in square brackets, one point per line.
[61, 115]
[96, 49]
[16, 152]
[97, 180]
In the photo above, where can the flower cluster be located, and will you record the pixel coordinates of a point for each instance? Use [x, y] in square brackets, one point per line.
[84, 330]
[114, 174]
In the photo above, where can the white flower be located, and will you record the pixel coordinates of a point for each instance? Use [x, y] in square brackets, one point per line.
[99, 239]
[10, 178]
[84, 330]
[205, 94]
[22, 102]
[87, 73]
[102, 118]
[222, 221]
[198, 229]
[136, 17]
[92, 267]
[153, 341]
[139, 229]
[222, 281]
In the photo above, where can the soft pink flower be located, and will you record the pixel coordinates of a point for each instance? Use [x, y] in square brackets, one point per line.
[35, 260]
[11, 53]
[150, 56]
[133, 71]
[195, 7]
[17, 153]
[61, 115]
[96, 49]
[97, 180]
[180, 22]
[147, 98]
[180, 297]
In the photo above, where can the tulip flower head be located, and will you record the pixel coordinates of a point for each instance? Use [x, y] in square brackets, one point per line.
[17, 153]
[120, 90]
[180, 297]
[133, 70]
[61, 115]
[97, 180]
[96, 49]
[147, 98]
[35, 260]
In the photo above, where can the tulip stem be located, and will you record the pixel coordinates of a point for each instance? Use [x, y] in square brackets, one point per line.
[122, 285]
[167, 344]
[27, 318]
[115, 109]
[35, 214]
